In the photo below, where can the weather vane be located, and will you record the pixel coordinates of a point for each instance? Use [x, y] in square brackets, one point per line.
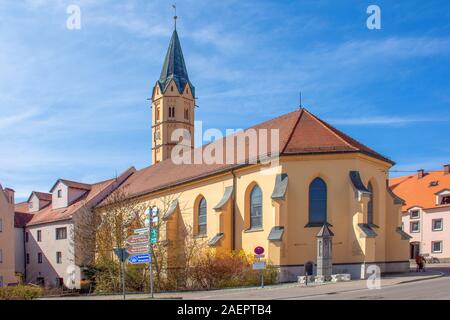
[174, 6]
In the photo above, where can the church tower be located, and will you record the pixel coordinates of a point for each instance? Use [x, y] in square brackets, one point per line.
[173, 102]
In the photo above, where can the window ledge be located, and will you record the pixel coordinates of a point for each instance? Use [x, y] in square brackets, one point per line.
[373, 225]
[316, 224]
[201, 236]
[253, 230]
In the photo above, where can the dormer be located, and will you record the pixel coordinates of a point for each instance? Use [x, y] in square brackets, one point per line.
[65, 192]
[38, 200]
[443, 197]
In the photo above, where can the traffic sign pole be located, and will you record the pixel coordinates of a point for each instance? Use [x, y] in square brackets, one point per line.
[150, 261]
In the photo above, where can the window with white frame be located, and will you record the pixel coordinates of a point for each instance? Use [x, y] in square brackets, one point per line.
[437, 224]
[436, 246]
[414, 214]
[58, 257]
[415, 227]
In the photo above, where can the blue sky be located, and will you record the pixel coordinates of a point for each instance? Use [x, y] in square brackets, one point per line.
[73, 102]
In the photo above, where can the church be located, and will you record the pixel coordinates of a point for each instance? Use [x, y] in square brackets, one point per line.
[323, 181]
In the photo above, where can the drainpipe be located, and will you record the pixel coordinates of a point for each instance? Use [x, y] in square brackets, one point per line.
[24, 258]
[233, 213]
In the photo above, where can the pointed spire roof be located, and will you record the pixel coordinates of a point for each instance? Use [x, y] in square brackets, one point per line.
[174, 66]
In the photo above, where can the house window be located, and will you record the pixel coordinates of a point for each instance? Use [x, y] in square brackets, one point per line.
[59, 282]
[436, 246]
[437, 224]
[40, 281]
[157, 113]
[256, 208]
[202, 217]
[415, 227]
[39, 236]
[61, 233]
[28, 258]
[445, 200]
[1, 281]
[317, 202]
[58, 257]
[186, 114]
[39, 257]
[1, 255]
[26, 236]
[59, 193]
[370, 205]
[414, 214]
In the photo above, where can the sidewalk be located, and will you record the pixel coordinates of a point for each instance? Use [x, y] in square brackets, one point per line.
[279, 291]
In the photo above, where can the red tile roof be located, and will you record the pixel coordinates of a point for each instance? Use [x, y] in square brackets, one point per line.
[419, 192]
[41, 196]
[95, 194]
[21, 218]
[72, 184]
[300, 132]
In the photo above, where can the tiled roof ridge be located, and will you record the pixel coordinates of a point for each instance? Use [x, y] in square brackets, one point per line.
[302, 110]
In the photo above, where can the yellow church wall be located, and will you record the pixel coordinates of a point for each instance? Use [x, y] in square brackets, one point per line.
[344, 209]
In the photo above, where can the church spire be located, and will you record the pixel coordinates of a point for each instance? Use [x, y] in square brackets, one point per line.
[174, 66]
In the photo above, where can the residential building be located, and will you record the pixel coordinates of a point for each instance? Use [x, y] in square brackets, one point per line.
[323, 178]
[426, 212]
[7, 245]
[52, 255]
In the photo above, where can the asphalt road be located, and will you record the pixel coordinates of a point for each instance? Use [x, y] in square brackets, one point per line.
[434, 289]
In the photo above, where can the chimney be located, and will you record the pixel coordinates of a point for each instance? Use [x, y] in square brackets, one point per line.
[420, 173]
[10, 195]
[447, 169]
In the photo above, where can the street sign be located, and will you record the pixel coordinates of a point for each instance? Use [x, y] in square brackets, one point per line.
[138, 249]
[138, 239]
[142, 230]
[139, 258]
[259, 256]
[259, 265]
[155, 211]
[153, 236]
[121, 253]
[259, 250]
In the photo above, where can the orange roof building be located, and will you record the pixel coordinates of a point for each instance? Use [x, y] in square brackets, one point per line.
[426, 211]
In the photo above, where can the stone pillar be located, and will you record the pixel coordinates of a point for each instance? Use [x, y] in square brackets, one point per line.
[324, 254]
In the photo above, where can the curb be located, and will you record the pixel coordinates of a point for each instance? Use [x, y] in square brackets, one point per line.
[441, 274]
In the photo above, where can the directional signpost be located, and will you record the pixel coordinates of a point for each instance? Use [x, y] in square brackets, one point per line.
[122, 254]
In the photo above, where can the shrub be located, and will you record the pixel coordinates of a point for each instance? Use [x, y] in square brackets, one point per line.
[20, 292]
[213, 270]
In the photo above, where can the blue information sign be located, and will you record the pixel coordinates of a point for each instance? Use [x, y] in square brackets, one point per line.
[139, 258]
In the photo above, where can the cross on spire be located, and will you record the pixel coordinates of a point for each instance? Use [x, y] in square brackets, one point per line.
[175, 17]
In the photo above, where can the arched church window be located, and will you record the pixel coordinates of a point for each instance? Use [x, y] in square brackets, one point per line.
[317, 202]
[202, 217]
[256, 208]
